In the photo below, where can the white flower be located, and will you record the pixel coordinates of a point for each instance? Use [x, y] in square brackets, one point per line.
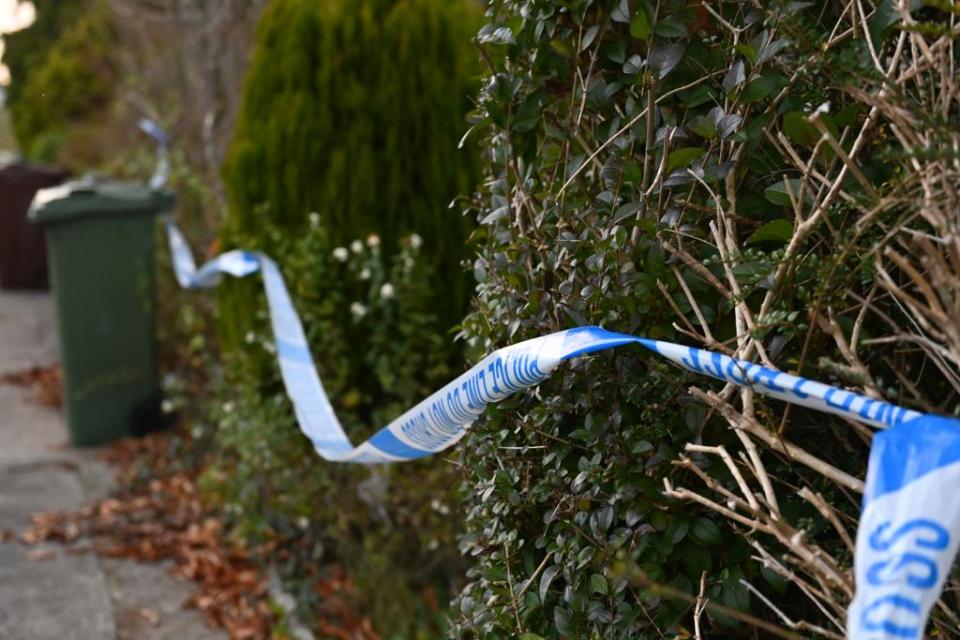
[250, 337]
[358, 310]
[386, 291]
[167, 405]
[356, 246]
[228, 407]
[303, 522]
[365, 274]
[314, 219]
[416, 241]
[373, 241]
[340, 254]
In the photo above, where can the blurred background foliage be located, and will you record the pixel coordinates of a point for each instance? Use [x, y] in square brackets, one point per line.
[384, 87]
[343, 165]
[388, 527]
[354, 110]
[62, 78]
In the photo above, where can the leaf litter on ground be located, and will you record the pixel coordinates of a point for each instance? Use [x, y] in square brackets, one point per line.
[46, 383]
[162, 518]
[157, 514]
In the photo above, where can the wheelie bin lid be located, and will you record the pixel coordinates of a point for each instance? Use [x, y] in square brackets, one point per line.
[93, 197]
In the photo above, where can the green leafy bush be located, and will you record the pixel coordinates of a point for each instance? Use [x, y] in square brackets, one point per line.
[63, 74]
[671, 169]
[379, 348]
[26, 49]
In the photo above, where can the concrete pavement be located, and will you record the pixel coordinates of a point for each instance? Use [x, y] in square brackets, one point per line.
[58, 595]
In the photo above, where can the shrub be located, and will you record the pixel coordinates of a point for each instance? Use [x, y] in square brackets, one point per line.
[671, 169]
[63, 75]
[25, 49]
[346, 148]
[354, 110]
[379, 349]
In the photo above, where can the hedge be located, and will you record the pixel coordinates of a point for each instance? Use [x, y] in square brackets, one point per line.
[63, 74]
[726, 175]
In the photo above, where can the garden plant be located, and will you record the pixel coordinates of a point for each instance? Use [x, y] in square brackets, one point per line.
[343, 165]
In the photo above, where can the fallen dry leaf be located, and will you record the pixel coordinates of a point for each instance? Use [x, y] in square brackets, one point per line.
[46, 382]
[39, 555]
[157, 514]
[51, 526]
[149, 616]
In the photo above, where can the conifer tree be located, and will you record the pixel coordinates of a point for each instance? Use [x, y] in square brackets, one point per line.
[353, 109]
[63, 74]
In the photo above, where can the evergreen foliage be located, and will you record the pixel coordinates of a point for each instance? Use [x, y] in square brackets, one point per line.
[661, 169]
[62, 73]
[354, 110]
[26, 49]
[346, 145]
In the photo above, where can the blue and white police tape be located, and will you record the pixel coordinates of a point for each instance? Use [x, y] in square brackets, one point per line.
[909, 528]
[911, 519]
[162, 171]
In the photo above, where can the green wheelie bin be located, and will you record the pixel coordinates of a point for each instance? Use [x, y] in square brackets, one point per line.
[100, 241]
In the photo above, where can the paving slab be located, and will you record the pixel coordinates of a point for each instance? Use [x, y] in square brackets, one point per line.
[60, 596]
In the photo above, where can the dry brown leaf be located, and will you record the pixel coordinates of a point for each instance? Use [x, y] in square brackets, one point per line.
[150, 616]
[46, 382]
[39, 555]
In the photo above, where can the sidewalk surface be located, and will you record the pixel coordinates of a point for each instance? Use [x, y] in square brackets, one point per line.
[64, 596]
